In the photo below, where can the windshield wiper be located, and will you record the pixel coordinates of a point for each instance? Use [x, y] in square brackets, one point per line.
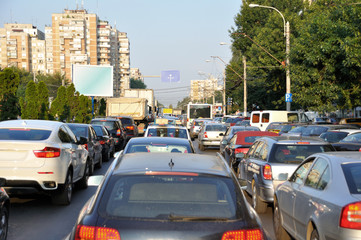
[174, 217]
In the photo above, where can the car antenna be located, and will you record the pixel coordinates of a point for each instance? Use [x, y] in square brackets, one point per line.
[171, 163]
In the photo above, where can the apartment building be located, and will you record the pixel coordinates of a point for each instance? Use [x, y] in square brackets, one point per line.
[136, 74]
[203, 89]
[22, 46]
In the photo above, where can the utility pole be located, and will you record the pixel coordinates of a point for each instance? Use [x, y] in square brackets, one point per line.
[224, 92]
[244, 87]
[288, 78]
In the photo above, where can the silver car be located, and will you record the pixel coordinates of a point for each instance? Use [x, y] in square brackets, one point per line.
[322, 199]
[210, 135]
[42, 155]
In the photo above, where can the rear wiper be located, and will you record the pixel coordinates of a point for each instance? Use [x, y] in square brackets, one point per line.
[174, 217]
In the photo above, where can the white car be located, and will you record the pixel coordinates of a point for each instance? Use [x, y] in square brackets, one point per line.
[167, 131]
[44, 156]
[210, 135]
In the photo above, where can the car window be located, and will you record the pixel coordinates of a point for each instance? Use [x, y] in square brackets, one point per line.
[233, 140]
[257, 152]
[355, 138]
[159, 147]
[263, 152]
[352, 172]
[217, 128]
[64, 136]
[126, 121]
[252, 149]
[319, 175]
[167, 196]
[299, 175]
[24, 134]
[167, 132]
[110, 125]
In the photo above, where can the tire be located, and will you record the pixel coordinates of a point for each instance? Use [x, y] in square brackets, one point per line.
[91, 167]
[257, 203]
[314, 235]
[100, 163]
[83, 182]
[63, 197]
[4, 223]
[280, 232]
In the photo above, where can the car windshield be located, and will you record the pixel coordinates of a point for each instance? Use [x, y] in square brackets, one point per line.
[110, 125]
[158, 147]
[166, 196]
[126, 121]
[216, 128]
[167, 132]
[24, 134]
[283, 153]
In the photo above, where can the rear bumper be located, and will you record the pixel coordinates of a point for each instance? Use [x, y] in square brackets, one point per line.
[266, 193]
[211, 142]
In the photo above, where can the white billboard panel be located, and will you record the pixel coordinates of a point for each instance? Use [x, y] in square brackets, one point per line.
[93, 80]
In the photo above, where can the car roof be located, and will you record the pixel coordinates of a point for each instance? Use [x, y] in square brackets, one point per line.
[166, 126]
[295, 139]
[158, 140]
[168, 162]
[41, 124]
[105, 119]
[341, 156]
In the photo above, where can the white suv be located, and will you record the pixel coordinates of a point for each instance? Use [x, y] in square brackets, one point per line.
[42, 155]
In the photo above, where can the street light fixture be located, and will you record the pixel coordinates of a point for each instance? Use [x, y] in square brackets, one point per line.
[286, 33]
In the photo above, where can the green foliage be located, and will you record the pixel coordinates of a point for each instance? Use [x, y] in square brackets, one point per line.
[30, 105]
[43, 101]
[102, 107]
[72, 102]
[136, 83]
[52, 81]
[58, 107]
[9, 107]
[84, 115]
[9, 82]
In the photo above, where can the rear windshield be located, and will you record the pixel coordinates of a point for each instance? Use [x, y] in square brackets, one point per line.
[296, 153]
[126, 121]
[158, 147]
[98, 131]
[24, 134]
[110, 125]
[170, 197]
[218, 128]
[352, 172]
[167, 132]
[79, 131]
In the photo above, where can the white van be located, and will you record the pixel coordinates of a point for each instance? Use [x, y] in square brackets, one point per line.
[262, 119]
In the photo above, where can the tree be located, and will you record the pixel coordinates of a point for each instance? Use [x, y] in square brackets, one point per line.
[103, 107]
[59, 108]
[138, 84]
[9, 107]
[72, 101]
[84, 115]
[43, 100]
[9, 83]
[30, 105]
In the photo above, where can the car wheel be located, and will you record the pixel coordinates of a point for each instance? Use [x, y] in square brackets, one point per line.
[100, 163]
[63, 197]
[4, 223]
[257, 203]
[280, 232]
[91, 167]
[83, 182]
[314, 235]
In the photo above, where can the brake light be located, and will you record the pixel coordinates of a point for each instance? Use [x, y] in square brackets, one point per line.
[267, 172]
[205, 135]
[96, 233]
[241, 150]
[254, 234]
[85, 146]
[130, 127]
[303, 142]
[102, 142]
[172, 173]
[359, 150]
[118, 132]
[351, 216]
[47, 152]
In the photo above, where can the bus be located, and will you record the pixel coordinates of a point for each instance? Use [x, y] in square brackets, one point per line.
[198, 110]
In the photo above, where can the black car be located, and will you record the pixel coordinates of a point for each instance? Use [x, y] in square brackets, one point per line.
[168, 196]
[92, 143]
[106, 140]
[115, 129]
[271, 160]
[131, 129]
[4, 210]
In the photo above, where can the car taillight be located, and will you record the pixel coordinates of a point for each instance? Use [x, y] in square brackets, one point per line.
[102, 142]
[351, 216]
[205, 135]
[241, 150]
[130, 127]
[96, 233]
[85, 146]
[267, 172]
[47, 152]
[359, 150]
[118, 132]
[254, 234]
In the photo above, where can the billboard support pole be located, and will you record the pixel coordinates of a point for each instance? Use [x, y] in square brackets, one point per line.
[92, 106]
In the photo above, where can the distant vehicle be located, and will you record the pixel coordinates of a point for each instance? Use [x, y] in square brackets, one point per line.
[92, 144]
[229, 134]
[351, 142]
[196, 126]
[159, 144]
[353, 121]
[167, 131]
[321, 199]
[106, 140]
[168, 196]
[262, 119]
[30, 147]
[269, 162]
[316, 130]
[210, 135]
[4, 211]
[198, 110]
[131, 129]
[243, 123]
[115, 128]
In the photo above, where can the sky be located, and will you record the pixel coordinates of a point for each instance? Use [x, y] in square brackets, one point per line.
[164, 34]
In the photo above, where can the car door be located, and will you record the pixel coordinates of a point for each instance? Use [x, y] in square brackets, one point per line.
[251, 164]
[286, 195]
[307, 196]
[96, 144]
[229, 149]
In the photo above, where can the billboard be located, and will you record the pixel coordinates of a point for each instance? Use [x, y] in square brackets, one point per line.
[170, 76]
[93, 80]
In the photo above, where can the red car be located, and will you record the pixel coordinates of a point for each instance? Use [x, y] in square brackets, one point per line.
[240, 143]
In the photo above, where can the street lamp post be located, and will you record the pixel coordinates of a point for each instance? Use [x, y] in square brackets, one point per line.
[286, 33]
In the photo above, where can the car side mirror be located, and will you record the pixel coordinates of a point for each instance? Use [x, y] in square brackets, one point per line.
[240, 155]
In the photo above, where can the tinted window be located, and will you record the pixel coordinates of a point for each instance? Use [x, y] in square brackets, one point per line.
[255, 118]
[98, 130]
[167, 132]
[355, 138]
[352, 172]
[265, 117]
[159, 147]
[79, 131]
[199, 111]
[126, 121]
[24, 134]
[64, 136]
[333, 136]
[314, 131]
[283, 153]
[162, 197]
[219, 128]
[110, 125]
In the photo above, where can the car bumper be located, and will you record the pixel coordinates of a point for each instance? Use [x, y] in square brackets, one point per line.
[211, 142]
[266, 193]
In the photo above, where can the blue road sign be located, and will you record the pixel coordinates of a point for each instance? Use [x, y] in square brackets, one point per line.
[288, 97]
[170, 76]
[219, 108]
